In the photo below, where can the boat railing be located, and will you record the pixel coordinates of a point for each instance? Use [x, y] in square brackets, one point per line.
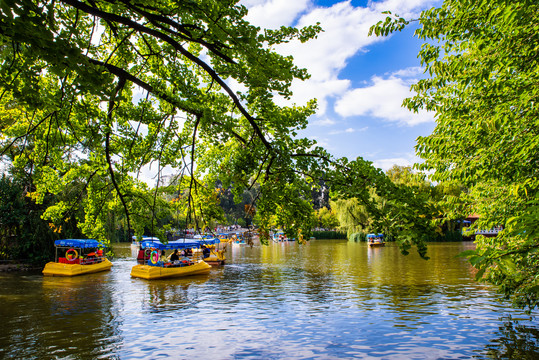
[487, 232]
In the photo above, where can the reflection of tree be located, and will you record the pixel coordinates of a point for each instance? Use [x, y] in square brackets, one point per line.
[514, 341]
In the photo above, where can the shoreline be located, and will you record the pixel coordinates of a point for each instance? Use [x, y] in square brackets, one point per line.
[14, 266]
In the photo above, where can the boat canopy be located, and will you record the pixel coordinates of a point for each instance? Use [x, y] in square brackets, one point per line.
[210, 241]
[77, 243]
[370, 236]
[171, 245]
[146, 238]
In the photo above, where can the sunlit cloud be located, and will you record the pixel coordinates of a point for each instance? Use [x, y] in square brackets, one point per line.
[347, 131]
[345, 35]
[272, 14]
[324, 122]
[386, 164]
[382, 99]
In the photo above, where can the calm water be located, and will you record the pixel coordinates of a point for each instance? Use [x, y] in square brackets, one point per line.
[325, 300]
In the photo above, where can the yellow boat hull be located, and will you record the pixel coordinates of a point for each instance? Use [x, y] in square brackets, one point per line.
[59, 269]
[216, 258]
[156, 272]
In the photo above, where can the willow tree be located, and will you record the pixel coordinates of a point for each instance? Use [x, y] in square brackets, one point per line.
[95, 91]
[481, 66]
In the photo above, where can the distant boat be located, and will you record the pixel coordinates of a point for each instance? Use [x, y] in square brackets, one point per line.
[375, 240]
[281, 236]
[135, 245]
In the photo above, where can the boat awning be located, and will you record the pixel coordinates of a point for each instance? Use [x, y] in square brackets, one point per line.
[77, 243]
[210, 241]
[370, 236]
[171, 245]
[146, 238]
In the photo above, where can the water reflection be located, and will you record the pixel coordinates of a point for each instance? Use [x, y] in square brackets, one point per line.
[170, 295]
[329, 299]
[57, 317]
[514, 340]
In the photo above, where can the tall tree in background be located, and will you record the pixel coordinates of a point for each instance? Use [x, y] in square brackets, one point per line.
[482, 66]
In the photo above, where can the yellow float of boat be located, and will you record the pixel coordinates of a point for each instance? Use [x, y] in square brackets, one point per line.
[59, 269]
[216, 258]
[212, 251]
[150, 272]
[77, 257]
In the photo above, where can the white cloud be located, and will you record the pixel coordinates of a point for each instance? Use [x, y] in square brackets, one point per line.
[345, 35]
[272, 14]
[315, 89]
[347, 131]
[324, 122]
[382, 99]
[412, 72]
[323, 142]
[386, 164]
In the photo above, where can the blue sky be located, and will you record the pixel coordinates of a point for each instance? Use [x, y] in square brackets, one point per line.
[359, 81]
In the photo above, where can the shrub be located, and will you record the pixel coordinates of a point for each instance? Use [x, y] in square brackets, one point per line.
[329, 234]
[357, 237]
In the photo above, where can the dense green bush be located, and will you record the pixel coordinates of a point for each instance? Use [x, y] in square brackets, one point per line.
[357, 237]
[447, 236]
[24, 235]
[329, 234]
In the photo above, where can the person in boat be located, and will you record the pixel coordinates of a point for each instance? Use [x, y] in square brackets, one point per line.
[163, 256]
[174, 256]
[205, 251]
[91, 258]
[141, 256]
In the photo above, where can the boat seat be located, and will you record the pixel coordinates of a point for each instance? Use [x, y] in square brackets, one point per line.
[63, 260]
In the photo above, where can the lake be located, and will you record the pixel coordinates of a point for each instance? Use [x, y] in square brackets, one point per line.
[328, 299]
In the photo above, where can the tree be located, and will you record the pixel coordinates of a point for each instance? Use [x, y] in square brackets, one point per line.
[93, 92]
[351, 214]
[480, 58]
[326, 218]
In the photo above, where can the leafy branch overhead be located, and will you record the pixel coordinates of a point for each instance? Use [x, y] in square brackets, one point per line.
[481, 62]
[96, 92]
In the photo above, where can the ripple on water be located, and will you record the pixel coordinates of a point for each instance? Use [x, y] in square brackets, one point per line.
[327, 300]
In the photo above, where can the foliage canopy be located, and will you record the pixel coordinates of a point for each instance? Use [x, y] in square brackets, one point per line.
[93, 92]
[481, 62]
